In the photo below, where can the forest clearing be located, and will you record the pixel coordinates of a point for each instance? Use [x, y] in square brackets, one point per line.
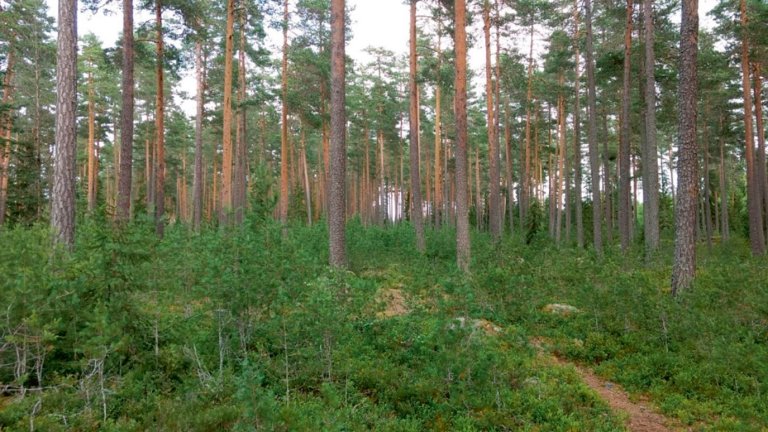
[535, 215]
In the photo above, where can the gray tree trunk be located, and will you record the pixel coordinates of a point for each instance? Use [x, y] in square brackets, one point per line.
[338, 150]
[416, 214]
[625, 208]
[63, 196]
[577, 132]
[594, 159]
[650, 159]
[684, 266]
[756, 236]
[125, 173]
[197, 185]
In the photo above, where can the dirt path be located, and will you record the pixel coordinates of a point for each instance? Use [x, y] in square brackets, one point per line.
[641, 417]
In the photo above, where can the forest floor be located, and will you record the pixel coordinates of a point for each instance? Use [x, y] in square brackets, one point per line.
[249, 329]
[639, 414]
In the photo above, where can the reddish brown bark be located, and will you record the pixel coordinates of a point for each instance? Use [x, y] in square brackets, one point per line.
[460, 106]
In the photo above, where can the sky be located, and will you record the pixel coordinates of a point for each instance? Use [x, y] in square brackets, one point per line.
[377, 23]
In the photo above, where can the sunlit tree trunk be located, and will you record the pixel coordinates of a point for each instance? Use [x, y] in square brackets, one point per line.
[460, 107]
[160, 127]
[227, 156]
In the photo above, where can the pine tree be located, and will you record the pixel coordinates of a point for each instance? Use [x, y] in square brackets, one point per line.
[63, 198]
[684, 267]
[338, 156]
[460, 107]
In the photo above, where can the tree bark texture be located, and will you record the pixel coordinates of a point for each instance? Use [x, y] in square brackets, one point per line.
[63, 196]
[460, 107]
[594, 159]
[756, 236]
[688, 181]
[625, 225]
[125, 173]
[226, 162]
[197, 185]
[338, 150]
[650, 159]
[160, 127]
[416, 216]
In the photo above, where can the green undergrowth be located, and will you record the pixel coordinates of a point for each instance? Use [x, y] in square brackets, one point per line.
[247, 329]
[701, 358]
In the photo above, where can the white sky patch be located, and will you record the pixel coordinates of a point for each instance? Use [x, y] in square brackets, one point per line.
[374, 23]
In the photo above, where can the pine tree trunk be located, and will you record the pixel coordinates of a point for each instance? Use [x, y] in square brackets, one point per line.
[761, 175]
[624, 157]
[160, 127]
[508, 166]
[525, 189]
[91, 147]
[577, 131]
[497, 119]
[338, 156]
[239, 186]
[561, 157]
[63, 194]
[594, 159]
[650, 158]
[438, 147]
[688, 181]
[284, 193]
[494, 194]
[125, 173]
[305, 175]
[227, 153]
[416, 217]
[754, 198]
[460, 106]
[6, 126]
[607, 180]
[725, 225]
[705, 180]
[479, 211]
[197, 185]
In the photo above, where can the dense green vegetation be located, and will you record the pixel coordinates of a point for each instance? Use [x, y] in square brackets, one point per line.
[248, 329]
